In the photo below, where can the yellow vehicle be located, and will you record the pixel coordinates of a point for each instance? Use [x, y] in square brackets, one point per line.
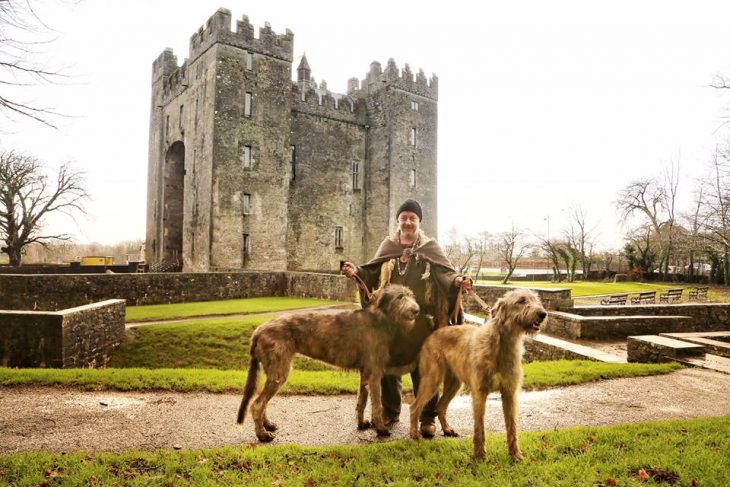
[97, 260]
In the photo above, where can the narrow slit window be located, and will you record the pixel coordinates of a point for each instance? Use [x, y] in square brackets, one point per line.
[247, 104]
[293, 161]
[412, 179]
[413, 137]
[246, 250]
[249, 61]
[338, 237]
[414, 106]
[355, 175]
[182, 115]
[246, 203]
[246, 156]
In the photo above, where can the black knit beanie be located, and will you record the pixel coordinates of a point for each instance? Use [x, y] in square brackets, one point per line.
[411, 205]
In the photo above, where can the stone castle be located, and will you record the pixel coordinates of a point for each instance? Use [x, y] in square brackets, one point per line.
[251, 170]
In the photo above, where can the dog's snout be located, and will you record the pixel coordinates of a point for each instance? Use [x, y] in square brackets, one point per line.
[541, 316]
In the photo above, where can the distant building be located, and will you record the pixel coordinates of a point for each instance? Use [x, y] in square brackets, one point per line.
[250, 170]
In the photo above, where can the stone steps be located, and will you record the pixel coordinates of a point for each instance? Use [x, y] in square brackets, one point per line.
[655, 348]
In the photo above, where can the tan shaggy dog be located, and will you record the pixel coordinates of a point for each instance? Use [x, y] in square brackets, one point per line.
[350, 339]
[487, 358]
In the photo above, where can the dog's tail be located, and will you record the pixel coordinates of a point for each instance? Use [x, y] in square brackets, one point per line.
[251, 382]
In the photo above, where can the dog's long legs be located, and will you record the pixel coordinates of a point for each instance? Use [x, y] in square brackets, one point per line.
[451, 386]
[258, 408]
[376, 401]
[362, 399]
[509, 407]
[479, 405]
[431, 377]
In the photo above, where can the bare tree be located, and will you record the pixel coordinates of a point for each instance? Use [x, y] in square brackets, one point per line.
[550, 249]
[716, 215]
[579, 236]
[27, 195]
[512, 249]
[21, 33]
[654, 200]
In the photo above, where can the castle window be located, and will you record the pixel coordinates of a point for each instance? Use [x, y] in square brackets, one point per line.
[355, 175]
[413, 137]
[182, 114]
[338, 238]
[167, 126]
[414, 106]
[412, 179]
[246, 204]
[248, 102]
[249, 61]
[246, 249]
[293, 161]
[246, 156]
[196, 112]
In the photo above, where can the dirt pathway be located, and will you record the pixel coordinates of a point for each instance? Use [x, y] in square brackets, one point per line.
[47, 418]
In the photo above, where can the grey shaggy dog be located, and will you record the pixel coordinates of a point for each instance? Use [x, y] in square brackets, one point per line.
[351, 339]
[487, 358]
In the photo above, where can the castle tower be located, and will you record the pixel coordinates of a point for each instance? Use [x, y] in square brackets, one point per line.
[219, 139]
[402, 144]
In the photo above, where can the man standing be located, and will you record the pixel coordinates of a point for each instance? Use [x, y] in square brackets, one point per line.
[412, 259]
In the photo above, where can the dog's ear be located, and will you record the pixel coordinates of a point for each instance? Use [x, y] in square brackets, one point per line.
[497, 310]
[381, 299]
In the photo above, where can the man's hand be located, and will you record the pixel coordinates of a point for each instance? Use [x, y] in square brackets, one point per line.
[463, 282]
[349, 269]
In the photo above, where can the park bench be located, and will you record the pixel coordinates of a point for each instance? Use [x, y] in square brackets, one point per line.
[615, 299]
[671, 296]
[648, 297]
[698, 294]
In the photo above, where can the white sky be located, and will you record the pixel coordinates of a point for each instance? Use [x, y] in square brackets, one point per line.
[542, 105]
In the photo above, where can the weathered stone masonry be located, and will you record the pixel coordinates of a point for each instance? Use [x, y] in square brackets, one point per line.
[250, 170]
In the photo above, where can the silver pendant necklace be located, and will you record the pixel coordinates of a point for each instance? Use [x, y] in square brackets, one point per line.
[407, 253]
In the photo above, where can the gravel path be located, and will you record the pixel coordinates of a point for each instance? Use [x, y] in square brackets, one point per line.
[49, 418]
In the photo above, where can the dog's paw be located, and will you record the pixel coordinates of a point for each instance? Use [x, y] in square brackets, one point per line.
[265, 437]
[383, 432]
[517, 456]
[364, 425]
[450, 432]
[269, 426]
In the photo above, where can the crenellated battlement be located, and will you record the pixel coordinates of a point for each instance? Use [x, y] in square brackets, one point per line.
[377, 78]
[218, 29]
[309, 98]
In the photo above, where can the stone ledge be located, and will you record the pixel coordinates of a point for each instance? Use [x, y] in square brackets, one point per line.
[654, 348]
[570, 325]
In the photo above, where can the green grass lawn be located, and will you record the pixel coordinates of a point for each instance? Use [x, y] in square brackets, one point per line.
[591, 288]
[682, 453]
[538, 375]
[229, 306]
[207, 343]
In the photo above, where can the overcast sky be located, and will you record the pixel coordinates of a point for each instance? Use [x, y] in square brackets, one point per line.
[542, 105]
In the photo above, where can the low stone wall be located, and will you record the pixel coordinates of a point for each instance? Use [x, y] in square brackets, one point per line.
[536, 350]
[52, 291]
[551, 298]
[569, 325]
[77, 337]
[705, 316]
